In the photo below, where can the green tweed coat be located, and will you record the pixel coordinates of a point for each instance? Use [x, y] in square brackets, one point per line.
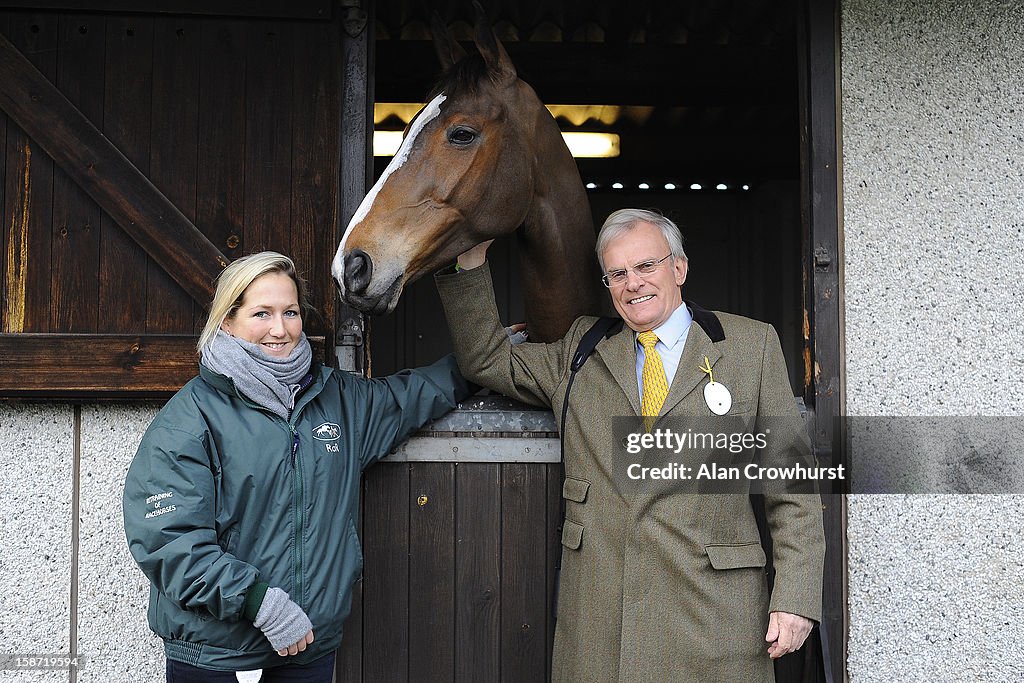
[663, 586]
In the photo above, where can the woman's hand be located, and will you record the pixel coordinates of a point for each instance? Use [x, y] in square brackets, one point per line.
[297, 647]
[475, 257]
[281, 620]
[517, 333]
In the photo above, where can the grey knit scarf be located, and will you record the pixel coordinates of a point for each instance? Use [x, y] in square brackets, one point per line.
[270, 382]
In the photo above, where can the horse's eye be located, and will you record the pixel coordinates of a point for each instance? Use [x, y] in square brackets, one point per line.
[461, 136]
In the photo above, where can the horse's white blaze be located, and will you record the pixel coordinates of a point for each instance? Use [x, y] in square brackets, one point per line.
[429, 113]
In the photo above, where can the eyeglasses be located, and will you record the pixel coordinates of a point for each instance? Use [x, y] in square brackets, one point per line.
[614, 278]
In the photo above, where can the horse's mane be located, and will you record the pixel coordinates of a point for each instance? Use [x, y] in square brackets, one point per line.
[464, 76]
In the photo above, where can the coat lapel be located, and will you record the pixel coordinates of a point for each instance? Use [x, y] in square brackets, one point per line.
[619, 355]
[689, 375]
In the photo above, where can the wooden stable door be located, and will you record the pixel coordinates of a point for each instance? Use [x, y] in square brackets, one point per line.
[143, 152]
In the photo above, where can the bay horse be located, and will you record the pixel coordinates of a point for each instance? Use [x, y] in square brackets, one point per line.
[483, 158]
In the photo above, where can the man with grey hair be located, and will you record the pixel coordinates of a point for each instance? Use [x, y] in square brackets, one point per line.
[669, 585]
[624, 220]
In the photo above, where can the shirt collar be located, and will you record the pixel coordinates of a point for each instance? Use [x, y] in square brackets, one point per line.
[673, 329]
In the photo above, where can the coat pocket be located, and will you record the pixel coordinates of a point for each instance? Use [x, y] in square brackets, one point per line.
[735, 556]
[572, 535]
[575, 489]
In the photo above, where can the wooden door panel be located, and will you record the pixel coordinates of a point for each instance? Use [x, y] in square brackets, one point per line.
[76, 217]
[28, 211]
[177, 138]
[173, 144]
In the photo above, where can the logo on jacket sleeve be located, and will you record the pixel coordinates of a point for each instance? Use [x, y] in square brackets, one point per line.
[328, 431]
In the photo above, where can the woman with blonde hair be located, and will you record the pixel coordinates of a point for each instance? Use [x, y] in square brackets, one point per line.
[241, 503]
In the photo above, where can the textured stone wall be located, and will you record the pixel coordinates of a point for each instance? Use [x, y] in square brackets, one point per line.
[62, 582]
[36, 497]
[113, 593]
[933, 154]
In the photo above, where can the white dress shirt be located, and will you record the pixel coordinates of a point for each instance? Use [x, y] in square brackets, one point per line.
[671, 340]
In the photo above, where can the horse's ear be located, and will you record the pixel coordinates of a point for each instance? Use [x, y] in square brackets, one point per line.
[447, 48]
[490, 47]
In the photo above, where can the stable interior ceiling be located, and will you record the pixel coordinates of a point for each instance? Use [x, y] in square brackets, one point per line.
[700, 92]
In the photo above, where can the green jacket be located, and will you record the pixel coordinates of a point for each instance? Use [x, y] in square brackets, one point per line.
[224, 498]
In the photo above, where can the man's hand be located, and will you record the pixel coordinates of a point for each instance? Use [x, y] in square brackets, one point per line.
[297, 647]
[474, 257]
[786, 633]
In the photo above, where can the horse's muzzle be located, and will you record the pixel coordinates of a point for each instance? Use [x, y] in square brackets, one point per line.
[357, 288]
[375, 305]
[358, 271]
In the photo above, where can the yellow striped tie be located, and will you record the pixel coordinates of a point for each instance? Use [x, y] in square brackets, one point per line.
[655, 383]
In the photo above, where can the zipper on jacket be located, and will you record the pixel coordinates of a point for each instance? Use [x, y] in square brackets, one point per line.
[297, 470]
[295, 443]
[299, 526]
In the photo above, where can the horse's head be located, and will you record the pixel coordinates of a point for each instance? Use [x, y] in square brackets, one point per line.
[462, 175]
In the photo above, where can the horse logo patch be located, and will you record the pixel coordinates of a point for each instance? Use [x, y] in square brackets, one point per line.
[328, 431]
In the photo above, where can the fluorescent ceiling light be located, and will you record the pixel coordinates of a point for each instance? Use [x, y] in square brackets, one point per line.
[386, 142]
[582, 145]
[592, 145]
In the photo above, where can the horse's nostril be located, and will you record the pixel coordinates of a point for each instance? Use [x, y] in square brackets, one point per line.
[358, 269]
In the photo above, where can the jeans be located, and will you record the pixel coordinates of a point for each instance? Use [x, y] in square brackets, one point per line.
[317, 671]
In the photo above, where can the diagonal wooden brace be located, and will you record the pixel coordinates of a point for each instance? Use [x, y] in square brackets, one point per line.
[106, 175]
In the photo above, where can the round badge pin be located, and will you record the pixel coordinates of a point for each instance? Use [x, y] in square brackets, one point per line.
[717, 397]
